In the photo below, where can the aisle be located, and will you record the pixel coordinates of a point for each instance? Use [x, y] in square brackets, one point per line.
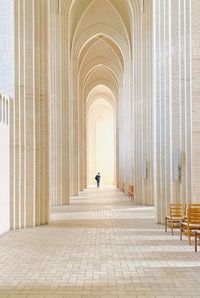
[99, 246]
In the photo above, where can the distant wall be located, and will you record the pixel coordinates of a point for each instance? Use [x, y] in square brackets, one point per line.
[101, 153]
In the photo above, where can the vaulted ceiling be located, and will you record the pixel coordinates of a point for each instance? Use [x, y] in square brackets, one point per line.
[100, 41]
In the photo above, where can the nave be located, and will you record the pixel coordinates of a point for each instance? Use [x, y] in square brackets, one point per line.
[101, 245]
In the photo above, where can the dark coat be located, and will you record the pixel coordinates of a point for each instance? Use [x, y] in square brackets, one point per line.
[97, 177]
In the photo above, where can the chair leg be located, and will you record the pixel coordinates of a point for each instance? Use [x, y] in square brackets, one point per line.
[172, 226]
[189, 237]
[181, 232]
[195, 242]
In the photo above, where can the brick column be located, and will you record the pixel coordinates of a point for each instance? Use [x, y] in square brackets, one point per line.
[29, 189]
[195, 43]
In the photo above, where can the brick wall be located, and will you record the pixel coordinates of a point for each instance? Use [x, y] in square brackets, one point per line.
[7, 47]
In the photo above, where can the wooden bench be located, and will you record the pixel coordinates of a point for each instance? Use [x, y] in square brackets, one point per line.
[131, 192]
[192, 224]
[177, 214]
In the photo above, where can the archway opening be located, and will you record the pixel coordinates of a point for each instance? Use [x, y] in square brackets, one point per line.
[101, 142]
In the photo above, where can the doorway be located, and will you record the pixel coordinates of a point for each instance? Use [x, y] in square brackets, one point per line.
[101, 142]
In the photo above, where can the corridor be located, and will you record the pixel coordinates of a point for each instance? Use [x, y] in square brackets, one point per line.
[101, 245]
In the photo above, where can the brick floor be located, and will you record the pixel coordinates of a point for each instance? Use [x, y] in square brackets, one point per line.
[99, 246]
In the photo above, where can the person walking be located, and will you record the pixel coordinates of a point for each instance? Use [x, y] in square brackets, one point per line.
[98, 178]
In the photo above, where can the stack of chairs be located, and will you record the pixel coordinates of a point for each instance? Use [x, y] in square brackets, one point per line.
[187, 220]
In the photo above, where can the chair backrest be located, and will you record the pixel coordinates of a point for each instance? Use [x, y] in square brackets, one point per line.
[194, 205]
[131, 188]
[123, 187]
[194, 214]
[177, 210]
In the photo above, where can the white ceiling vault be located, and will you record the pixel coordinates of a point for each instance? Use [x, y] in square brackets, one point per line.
[100, 42]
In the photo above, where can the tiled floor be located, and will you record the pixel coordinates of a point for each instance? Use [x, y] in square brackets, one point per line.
[99, 246]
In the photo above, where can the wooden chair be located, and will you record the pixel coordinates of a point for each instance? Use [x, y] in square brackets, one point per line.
[122, 188]
[192, 223]
[177, 213]
[131, 192]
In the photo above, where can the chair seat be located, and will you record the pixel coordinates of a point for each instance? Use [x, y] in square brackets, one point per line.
[194, 226]
[175, 218]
